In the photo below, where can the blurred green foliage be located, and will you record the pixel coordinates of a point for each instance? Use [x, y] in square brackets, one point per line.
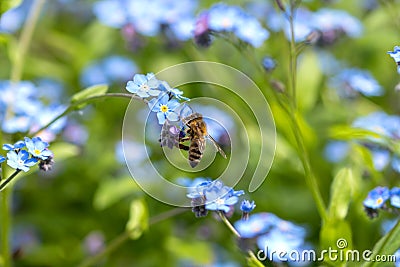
[88, 190]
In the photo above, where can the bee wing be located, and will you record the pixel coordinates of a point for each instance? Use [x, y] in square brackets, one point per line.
[217, 146]
[202, 145]
[170, 134]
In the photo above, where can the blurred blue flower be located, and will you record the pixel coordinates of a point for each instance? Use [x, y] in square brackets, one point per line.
[144, 85]
[24, 108]
[20, 160]
[350, 81]
[256, 225]
[48, 114]
[395, 54]
[164, 108]
[330, 23]
[16, 146]
[12, 20]
[112, 13]
[397, 255]
[377, 197]
[249, 30]
[149, 17]
[222, 17]
[335, 151]
[183, 29]
[268, 63]
[380, 123]
[247, 206]
[279, 242]
[108, 70]
[339, 21]
[2, 159]
[49, 91]
[284, 236]
[380, 158]
[328, 63]
[225, 18]
[395, 197]
[38, 148]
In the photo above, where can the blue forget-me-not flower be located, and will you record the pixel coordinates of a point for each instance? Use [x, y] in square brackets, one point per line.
[164, 108]
[144, 85]
[20, 160]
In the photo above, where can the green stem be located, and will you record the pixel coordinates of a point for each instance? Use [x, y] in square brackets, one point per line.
[228, 224]
[236, 233]
[311, 180]
[125, 236]
[25, 40]
[6, 225]
[3, 184]
[292, 58]
[74, 106]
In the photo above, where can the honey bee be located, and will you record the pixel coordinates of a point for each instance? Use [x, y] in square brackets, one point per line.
[194, 130]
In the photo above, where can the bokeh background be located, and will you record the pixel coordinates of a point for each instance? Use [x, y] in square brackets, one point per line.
[62, 217]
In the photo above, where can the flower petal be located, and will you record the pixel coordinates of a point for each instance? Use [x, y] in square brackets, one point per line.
[160, 117]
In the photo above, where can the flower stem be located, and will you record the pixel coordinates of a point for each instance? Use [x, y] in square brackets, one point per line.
[5, 226]
[293, 114]
[73, 106]
[3, 184]
[228, 224]
[125, 236]
[310, 177]
[255, 260]
[25, 40]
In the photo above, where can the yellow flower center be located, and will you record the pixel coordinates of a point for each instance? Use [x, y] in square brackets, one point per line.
[379, 200]
[145, 87]
[226, 22]
[36, 151]
[219, 201]
[164, 108]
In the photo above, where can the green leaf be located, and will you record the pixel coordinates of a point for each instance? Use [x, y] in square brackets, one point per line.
[138, 218]
[386, 246]
[8, 4]
[92, 91]
[345, 132]
[198, 252]
[308, 79]
[340, 194]
[113, 190]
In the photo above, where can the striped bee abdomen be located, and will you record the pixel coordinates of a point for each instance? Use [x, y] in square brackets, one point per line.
[195, 153]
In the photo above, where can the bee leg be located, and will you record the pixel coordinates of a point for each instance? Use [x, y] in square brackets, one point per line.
[184, 147]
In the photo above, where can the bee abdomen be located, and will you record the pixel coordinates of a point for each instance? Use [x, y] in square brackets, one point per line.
[194, 154]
